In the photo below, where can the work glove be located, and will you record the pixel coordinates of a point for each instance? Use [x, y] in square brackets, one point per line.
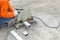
[15, 13]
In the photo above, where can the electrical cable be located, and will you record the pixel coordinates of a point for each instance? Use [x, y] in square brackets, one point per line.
[45, 23]
[41, 21]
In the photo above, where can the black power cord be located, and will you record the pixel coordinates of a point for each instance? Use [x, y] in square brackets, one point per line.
[45, 23]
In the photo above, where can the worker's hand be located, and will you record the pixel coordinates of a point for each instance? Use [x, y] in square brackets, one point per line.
[15, 13]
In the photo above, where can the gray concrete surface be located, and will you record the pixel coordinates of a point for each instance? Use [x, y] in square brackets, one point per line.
[47, 10]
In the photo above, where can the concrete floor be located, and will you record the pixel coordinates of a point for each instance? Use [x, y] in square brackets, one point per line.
[47, 10]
